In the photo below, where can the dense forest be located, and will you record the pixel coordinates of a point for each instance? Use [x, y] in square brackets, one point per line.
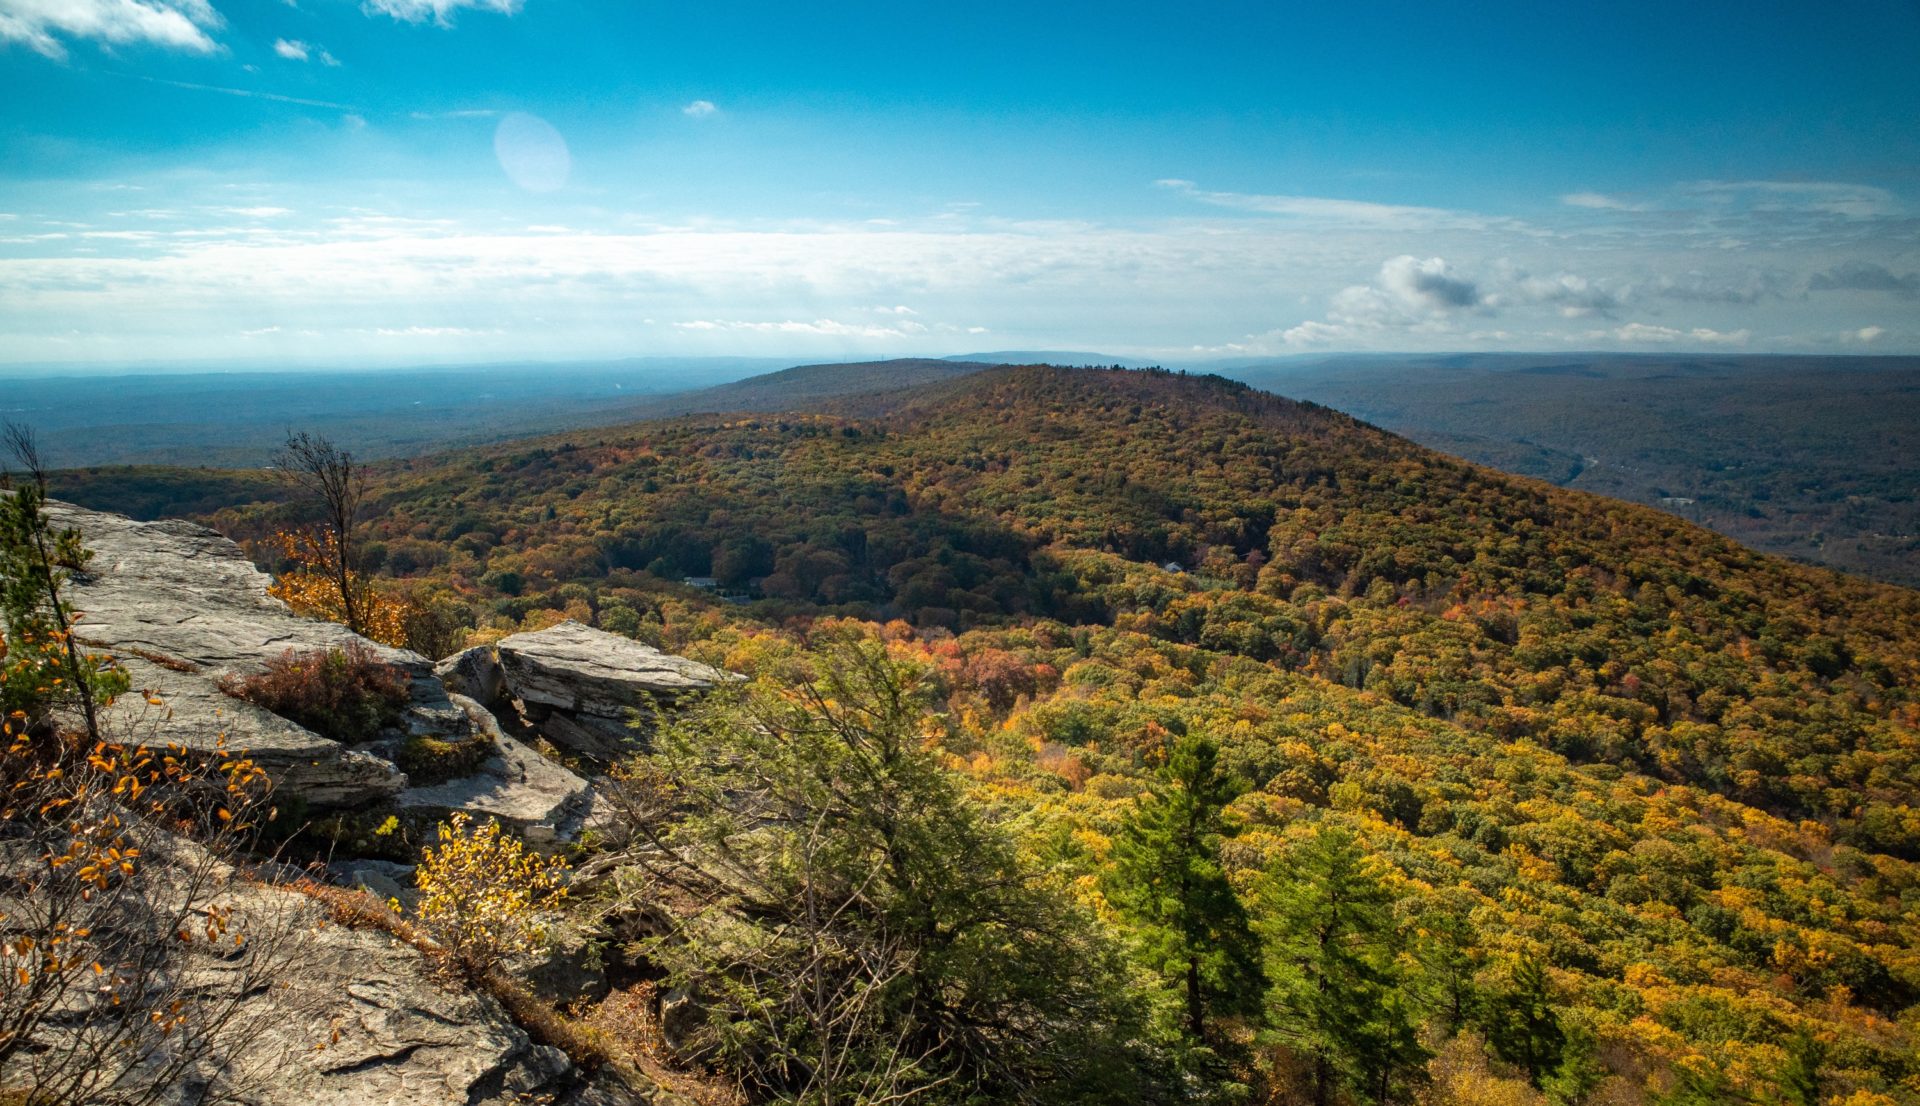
[1767, 450]
[1563, 797]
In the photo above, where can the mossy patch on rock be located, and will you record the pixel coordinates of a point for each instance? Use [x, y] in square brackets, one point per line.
[430, 760]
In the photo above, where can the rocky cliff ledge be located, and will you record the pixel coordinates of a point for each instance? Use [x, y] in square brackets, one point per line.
[576, 686]
[355, 1015]
[180, 607]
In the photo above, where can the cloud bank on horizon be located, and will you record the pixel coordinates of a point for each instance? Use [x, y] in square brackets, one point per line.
[441, 180]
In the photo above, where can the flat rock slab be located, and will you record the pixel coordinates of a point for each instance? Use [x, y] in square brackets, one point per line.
[541, 799]
[184, 592]
[195, 714]
[179, 607]
[362, 1018]
[573, 667]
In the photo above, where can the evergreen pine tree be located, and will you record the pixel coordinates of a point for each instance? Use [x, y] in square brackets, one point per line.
[1333, 948]
[1522, 1025]
[1167, 879]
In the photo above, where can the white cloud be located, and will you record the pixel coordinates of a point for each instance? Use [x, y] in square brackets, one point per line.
[700, 109]
[1217, 283]
[830, 328]
[1408, 294]
[1329, 210]
[41, 25]
[296, 50]
[1574, 296]
[1643, 333]
[1869, 334]
[1430, 285]
[1598, 201]
[1854, 201]
[440, 11]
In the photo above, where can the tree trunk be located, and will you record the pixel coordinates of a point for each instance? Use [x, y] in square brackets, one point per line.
[1196, 1011]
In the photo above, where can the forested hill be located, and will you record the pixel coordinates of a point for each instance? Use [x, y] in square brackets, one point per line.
[1682, 775]
[1767, 450]
[1605, 630]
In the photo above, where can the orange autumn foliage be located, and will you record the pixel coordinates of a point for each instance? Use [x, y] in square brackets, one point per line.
[312, 589]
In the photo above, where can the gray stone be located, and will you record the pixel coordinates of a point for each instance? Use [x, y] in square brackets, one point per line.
[599, 739]
[180, 607]
[182, 591]
[567, 971]
[539, 798]
[576, 668]
[362, 1018]
[682, 1018]
[195, 714]
[476, 674]
[383, 879]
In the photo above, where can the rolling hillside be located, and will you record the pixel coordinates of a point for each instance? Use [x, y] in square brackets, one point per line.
[1682, 775]
[1767, 450]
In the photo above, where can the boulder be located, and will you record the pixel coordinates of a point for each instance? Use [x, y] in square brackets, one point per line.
[476, 674]
[581, 670]
[195, 714]
[542, 800]
[181, 607]
[189, 595]
[383, 879]
[568, 970]
[360, 1017]
[291, 1008]
[577, 686]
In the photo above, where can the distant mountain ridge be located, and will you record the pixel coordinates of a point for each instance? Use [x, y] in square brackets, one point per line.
[805, 387]
[1815, 458]
[1064, 358]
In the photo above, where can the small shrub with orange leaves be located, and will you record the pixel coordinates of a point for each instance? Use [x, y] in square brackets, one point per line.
[484, 894]
[114, 906]
[346, 693]
[312, 589]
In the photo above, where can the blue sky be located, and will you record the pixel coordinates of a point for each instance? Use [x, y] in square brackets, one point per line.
[448, 180]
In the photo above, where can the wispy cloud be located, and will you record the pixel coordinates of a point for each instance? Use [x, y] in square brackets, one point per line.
[1737, 197]
[42, 25]
[1863, 276]
[296, 50]
[700, 109]
[1599, 201]
[250, 93]
[440, 11]
[1326, 209]
[831, 328]
[1858, 201]
[1647, 334]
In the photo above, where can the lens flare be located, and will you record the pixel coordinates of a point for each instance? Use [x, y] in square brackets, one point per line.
[532, 153]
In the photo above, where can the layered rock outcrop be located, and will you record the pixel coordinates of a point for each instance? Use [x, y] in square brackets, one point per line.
[180, 607]
[576, 686]
[354, 1015]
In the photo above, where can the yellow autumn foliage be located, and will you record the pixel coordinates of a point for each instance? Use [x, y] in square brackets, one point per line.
[485, 894]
